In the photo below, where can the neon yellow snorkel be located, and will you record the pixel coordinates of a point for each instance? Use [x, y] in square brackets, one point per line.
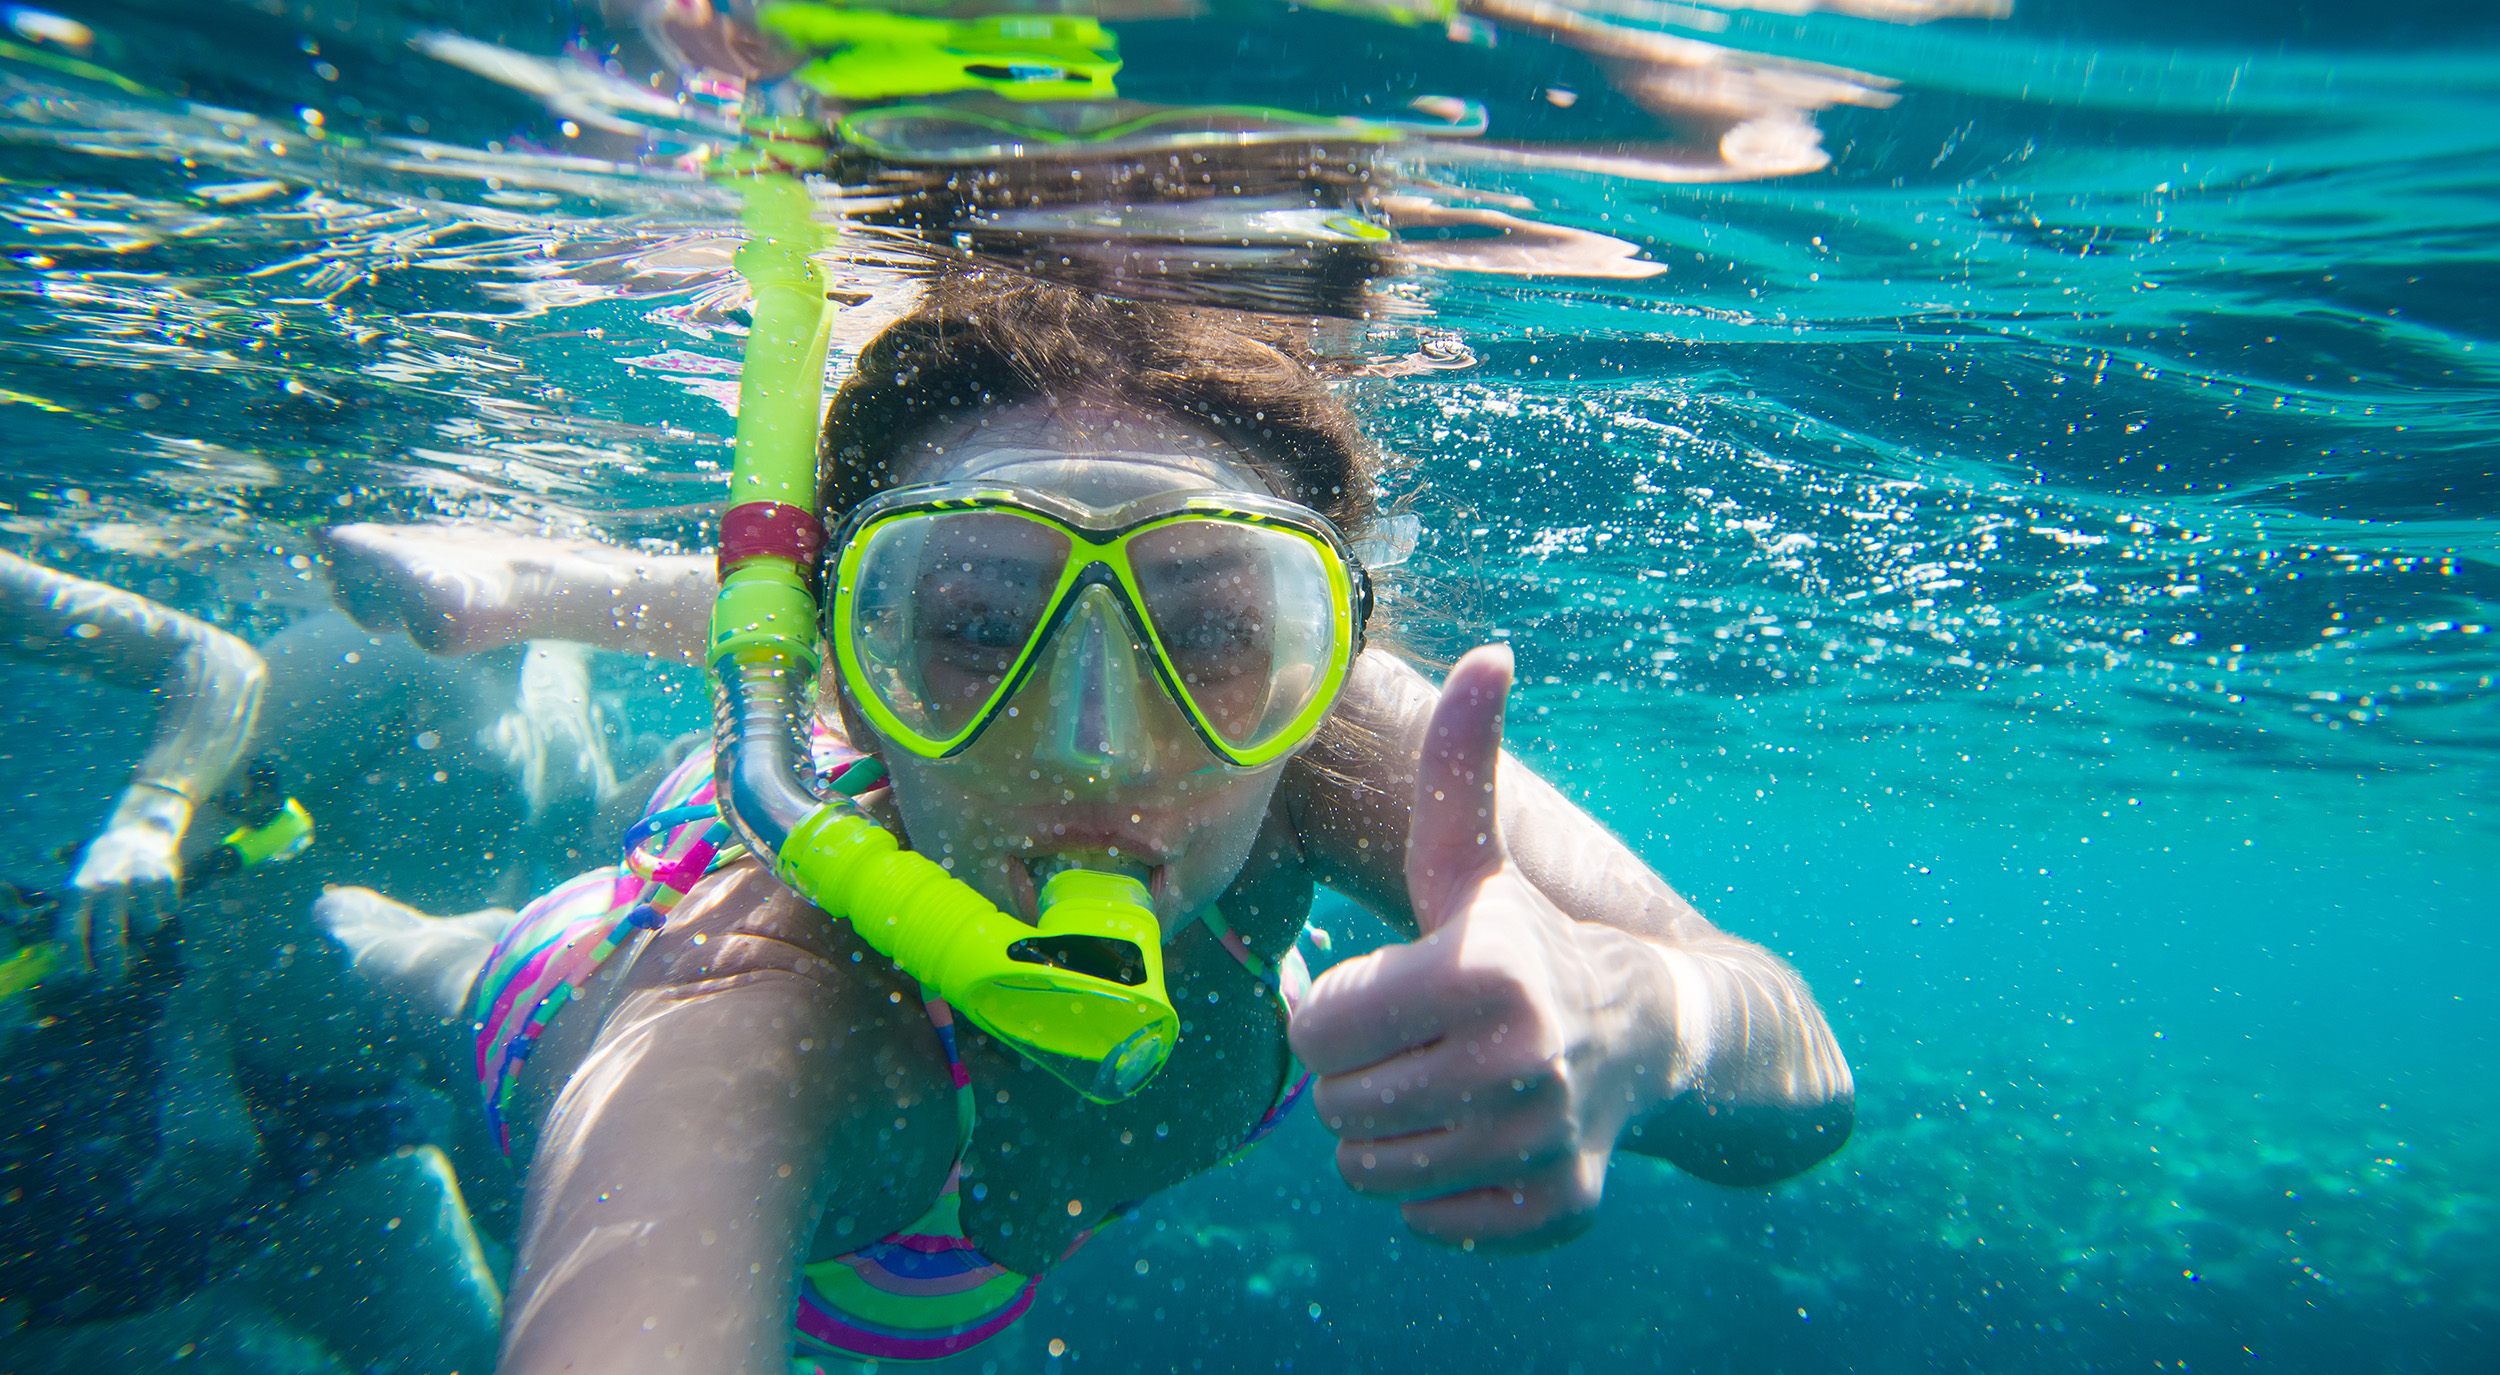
[874, 54]
[1081, 993]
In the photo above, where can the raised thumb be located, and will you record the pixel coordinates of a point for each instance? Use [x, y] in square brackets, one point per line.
[1454, 834]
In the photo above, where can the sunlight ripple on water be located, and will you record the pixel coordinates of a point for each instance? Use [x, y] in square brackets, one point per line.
[2105, 434]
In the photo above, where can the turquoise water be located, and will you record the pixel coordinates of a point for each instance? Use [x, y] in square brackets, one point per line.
[2036, 573]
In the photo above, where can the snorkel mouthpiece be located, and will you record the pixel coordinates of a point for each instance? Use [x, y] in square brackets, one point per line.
[1099, 926]
[1080, 993]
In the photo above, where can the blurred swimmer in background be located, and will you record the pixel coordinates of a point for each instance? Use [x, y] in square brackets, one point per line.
[166, 1083]
[209, 686]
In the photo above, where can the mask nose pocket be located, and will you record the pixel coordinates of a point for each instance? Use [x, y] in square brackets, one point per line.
[1096, 677]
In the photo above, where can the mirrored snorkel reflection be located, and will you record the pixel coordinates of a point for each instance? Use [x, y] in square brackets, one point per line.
[1098, 145]
[1009, 138]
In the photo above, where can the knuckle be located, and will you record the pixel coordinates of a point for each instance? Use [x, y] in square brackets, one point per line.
[1544, 1152]
[1363, 1169]
[1497, 991]
[1581, 1200]
[1541, 1143]
[1522, 1069]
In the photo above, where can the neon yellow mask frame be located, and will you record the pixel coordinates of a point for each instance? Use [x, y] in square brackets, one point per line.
[1099, 546]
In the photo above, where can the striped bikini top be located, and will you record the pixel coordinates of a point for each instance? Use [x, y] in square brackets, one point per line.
[927, 1291]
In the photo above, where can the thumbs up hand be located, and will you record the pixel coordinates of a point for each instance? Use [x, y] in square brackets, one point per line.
[1480, 1075]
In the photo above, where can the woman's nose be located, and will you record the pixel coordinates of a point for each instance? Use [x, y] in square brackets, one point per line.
[1098, 723]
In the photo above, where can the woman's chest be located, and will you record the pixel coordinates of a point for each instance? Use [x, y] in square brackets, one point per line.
[1045, 1165]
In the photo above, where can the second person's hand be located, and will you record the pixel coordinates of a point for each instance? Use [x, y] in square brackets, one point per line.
[128, 883]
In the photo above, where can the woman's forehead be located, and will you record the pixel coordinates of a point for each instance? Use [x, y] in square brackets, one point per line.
[1101, 454]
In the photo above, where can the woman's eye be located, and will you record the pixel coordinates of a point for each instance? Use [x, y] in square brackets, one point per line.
[1218, 643]
[964, 625]
[981, 631]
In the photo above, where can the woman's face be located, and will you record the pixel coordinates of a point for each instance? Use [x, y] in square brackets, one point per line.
[1091, 755]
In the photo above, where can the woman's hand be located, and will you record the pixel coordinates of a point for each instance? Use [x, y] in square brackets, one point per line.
[1480, 1075]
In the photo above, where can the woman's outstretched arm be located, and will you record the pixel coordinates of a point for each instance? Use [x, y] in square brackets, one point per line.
[208, 687]
[1759, 1087]
[680, 1172]
[1768, 1093]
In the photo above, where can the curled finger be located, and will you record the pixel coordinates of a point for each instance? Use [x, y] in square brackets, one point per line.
[1539, 1213]
[70, 928]
[1446, 1084]
[1372, 1008]
[154, 908]
[1504, 1154]
[108, 932]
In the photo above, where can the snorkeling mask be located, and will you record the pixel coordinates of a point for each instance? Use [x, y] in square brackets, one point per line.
[946, 598]
[276, 828]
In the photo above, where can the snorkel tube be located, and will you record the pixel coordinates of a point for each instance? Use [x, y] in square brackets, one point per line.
[1082, 993]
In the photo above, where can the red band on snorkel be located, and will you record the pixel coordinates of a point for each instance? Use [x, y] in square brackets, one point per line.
[770, 529]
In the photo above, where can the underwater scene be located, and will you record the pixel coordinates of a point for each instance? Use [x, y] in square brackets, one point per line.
[1994, 502]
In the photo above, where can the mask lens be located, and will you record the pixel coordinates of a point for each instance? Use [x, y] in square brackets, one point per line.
[942, 607]
[1247, 617]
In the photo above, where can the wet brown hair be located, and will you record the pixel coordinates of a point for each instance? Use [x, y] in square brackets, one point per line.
[982, 340]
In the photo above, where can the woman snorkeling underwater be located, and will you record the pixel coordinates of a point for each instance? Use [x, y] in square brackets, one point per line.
[1097, 630]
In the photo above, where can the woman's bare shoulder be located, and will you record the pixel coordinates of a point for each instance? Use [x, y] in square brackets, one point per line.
[736, 924]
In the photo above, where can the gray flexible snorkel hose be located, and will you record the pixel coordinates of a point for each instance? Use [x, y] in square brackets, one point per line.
[761, 715]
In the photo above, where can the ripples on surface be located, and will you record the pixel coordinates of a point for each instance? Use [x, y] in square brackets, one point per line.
[2121, 390]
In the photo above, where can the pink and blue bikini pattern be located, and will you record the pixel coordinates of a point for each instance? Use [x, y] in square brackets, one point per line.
[560, 942]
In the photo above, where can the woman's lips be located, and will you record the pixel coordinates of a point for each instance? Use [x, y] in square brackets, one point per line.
[1024, 890]
[1067, 832]
[1068, 835]
[1073, 830]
